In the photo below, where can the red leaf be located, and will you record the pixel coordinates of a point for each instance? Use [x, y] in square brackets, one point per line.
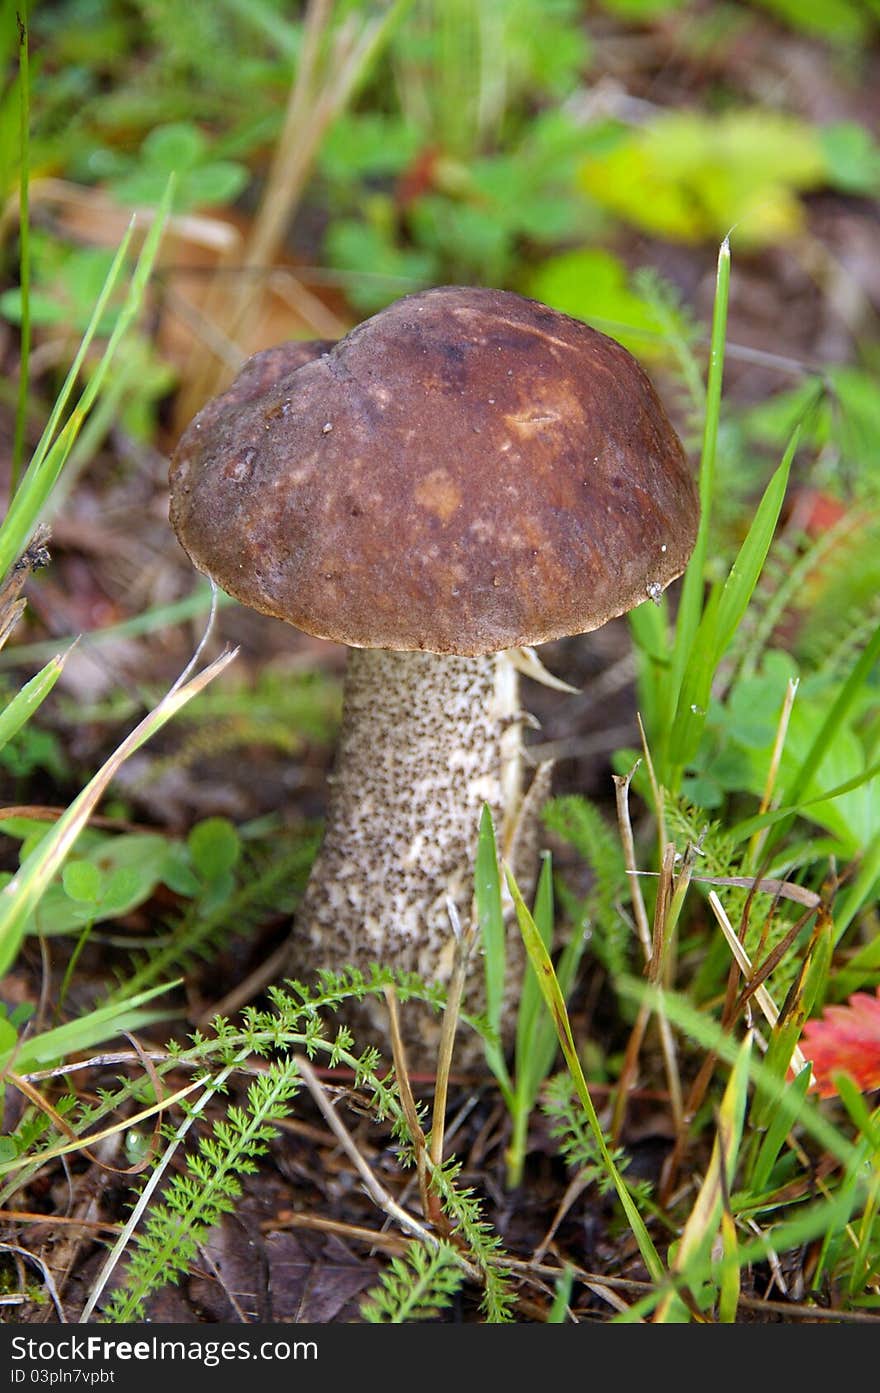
[846, 1039]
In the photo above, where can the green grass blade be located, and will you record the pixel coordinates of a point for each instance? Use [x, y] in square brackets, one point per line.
[862, 890]
[649, 627]
[83, 1034]
[545, 1042]
[490, 917]
[840, 1212]
[24, 242]
[535, 1035]
[853, 1100]
[25, 702]
[691, 602]
[558, 1313]
[20, 896]
[781, 1122]
[722, 617]
[150, 621]
[543, 967]
[741, 831]
[55, 445]
[531, 1001]
[33, 492]
[708, 1033]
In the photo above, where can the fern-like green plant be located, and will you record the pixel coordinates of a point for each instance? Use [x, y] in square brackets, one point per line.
[577, 1143]
[416, 1287]
[196, 1198]
[464, 1207]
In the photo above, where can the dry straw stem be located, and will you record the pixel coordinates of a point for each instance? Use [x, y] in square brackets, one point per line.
[430, 1203]
[327, 73]
[378, 1194]
[464, 942]
[82, 1143]
[765, 1001]
[712, 1202]
[735, 1002]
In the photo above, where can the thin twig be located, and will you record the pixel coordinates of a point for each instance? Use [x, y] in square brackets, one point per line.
[378, 1194]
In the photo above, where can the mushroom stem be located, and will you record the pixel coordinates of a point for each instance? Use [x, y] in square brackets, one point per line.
[426, 740]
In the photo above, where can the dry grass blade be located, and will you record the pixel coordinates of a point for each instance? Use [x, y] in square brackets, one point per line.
[781, 889]
[430, 1203]
[331, 62]
[464, 943]
[744, 963]
[624, 823]
[80, 1143]
[652, 948]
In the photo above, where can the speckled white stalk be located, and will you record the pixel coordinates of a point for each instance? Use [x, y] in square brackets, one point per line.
[426, 740]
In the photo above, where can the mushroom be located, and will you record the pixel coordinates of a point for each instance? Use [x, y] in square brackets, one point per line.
[466, 474]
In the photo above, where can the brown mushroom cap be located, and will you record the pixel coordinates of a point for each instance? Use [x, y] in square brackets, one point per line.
[464, 472]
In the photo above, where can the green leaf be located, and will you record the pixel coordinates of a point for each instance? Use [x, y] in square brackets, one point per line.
[528, 1068]
[215, 847]
[838, 21]
[852, 157]
[44, 308]
[690, 176]
[368, 145]
[82, 881]
[174, 148]
[592, 284]
[8, 1035]
[123, 889]
[26, 701]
